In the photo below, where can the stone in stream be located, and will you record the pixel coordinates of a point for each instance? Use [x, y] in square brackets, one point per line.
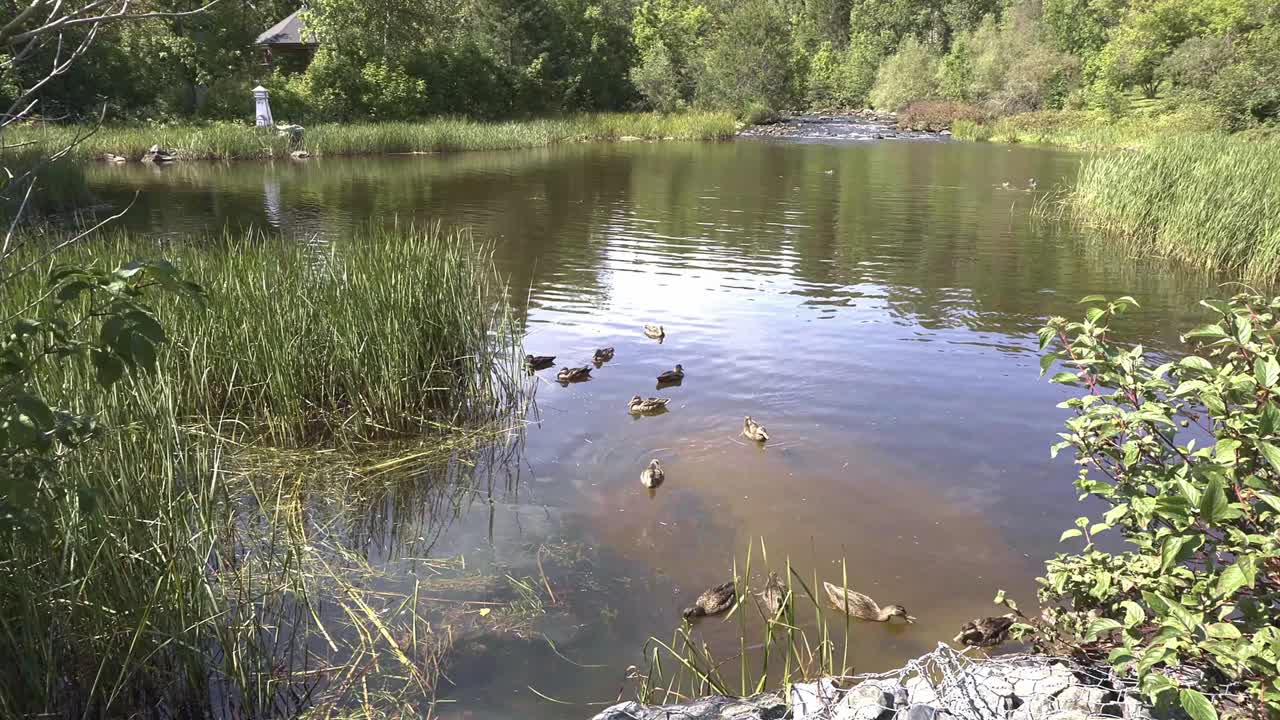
[868, 701]
[765, 706]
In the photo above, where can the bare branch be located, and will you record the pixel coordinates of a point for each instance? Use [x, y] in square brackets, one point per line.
[123, 14]
[66, 243]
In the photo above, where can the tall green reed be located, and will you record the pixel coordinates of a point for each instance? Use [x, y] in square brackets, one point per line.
[190, 573]
[1210, 201]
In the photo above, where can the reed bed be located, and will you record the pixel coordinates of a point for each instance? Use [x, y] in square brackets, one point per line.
[1088, 130]
[803, 641]
[232, 141]
[1211, 201]
[187, 563]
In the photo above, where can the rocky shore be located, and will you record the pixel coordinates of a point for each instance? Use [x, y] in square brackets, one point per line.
[943, 685]
[853, 126]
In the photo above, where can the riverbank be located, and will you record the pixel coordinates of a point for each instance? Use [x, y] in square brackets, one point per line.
[1088, 130]
[235, 141]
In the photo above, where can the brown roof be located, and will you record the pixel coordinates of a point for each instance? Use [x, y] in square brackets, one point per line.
[288, 31]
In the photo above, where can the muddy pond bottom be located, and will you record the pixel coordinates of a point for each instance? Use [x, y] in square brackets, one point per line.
[874, 304]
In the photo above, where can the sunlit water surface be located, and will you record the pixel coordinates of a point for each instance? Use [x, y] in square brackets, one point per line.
[874, 304]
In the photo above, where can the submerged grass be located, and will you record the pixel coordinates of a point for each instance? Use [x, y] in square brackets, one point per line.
[1212, 202]
[230, 141]
[183, 569]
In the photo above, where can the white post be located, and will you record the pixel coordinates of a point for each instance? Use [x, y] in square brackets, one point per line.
[263, 107]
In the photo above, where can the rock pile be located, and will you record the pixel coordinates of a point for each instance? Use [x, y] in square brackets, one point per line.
[1017, 688]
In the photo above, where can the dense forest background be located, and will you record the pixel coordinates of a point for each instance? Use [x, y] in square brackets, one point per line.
[399, 59]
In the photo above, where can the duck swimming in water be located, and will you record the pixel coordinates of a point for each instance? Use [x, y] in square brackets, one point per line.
[857, 605]
[652, 476]
[568, 374]
[754, 430]
[654, 331]
[603, 355]
[773, 596]
[539, 362]
[713, 601]
[986, 632]
[644, 406]
[672, 376]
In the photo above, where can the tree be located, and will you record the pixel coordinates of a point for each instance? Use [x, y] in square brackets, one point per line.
[750, 59]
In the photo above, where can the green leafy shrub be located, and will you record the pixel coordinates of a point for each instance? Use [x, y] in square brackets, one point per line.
[1186, 454]
[750, 59]
[759, 114]
[657, 80]
[969, 130]
[936, 115]
[840, 78]
[909, 75]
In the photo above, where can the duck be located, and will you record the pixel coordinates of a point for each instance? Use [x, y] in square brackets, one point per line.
[672, 376]
[538, 362]
[986, 632]
[654, 331]
[754, 430]
[640, 406]
[652, 476]
[712, 601]
[862, 607]
[603, 355]
[1031, 183]
[568, 374]
[773, 596]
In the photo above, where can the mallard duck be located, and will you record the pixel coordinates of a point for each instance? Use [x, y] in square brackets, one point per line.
[862, 607]
[672, 376]
[712, 602]
[654, 331]
[538, 362]
[641, 406]
[986, 632]
[754, 430]
[652, 476]
[603, 355]
[773, 595]
[568, 374]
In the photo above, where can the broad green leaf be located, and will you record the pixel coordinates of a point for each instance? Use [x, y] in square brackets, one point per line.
[1133, 613]
[1101, 626]
[1266, 371]
[1196, 705]
[1046, 336]
[1270, 453]
[1068, 534]
[1213, 501]
[1269, 420]
[1177, 549]
[1094, 313]
[1222, 631]
[1205, 331]
[1242, 573]
[1126, 300]
[1047, 360]
[1092, 299]
[108, 368]
[1244, 329]
[1179, 613]
[1224, 451]
[1195, 362]
[1269, 499]
[1065, 378]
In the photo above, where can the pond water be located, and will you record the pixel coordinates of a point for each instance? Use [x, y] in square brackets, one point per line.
[874, 304]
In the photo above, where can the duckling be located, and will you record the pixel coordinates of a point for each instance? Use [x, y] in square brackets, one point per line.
[672, 376]
[773, 596]
[641, 406]
[754, 430]
[1031, 183]
[713, 601]
[862, 607]
[603, 355]
[986, 632]
[539, 362]
[652, 476]
[654, 331]
[568, 374]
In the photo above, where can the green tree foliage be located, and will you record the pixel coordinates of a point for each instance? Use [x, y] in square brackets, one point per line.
[749, 59]
[669, 35]
[1186, 456]
[907, 76]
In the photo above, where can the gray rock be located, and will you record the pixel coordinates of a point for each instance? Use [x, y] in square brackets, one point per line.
[765, 706]
[920, 711]
[1029, 681]
[1134, 708]
[868, 701]
[1083, 699]
[809, 701]
[920, 691]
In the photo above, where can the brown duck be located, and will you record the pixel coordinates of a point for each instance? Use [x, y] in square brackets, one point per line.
[713, 601]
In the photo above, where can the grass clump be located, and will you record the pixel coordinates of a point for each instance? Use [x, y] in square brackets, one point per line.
[1085, 129]
[233, 141]
[1211, 201]
[183, 563]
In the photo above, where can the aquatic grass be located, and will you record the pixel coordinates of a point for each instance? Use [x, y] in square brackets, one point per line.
[1212, 202]
[232, 141]
[686, 666]
[187, 562]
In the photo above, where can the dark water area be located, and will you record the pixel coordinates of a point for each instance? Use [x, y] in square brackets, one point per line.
[874, 304]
